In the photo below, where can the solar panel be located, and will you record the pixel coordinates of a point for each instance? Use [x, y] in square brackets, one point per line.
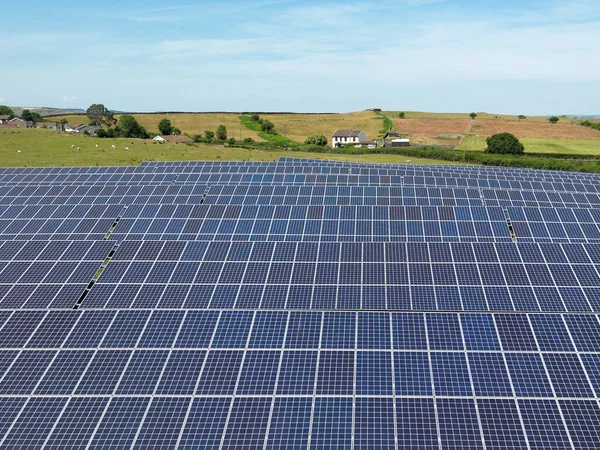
[299, 304]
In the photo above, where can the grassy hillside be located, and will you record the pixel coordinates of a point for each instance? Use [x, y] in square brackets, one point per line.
[52, 148]
[300, 126]
[445, 129]
[188, 123]
[480, 115]
[534, 145]
[297, 126]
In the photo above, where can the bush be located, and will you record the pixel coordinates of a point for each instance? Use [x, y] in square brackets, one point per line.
[401, 115]
[164, 127]
[130, 128]
[255, 117]
[248, 141]
[110, 133]
[231, 141]
[504, 144]
[267, 126]
[553, 120]
[316, 139]
[221, 133]
[473, 115]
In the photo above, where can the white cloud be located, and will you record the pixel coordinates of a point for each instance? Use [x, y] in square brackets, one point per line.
[2, 99]
[67, 98]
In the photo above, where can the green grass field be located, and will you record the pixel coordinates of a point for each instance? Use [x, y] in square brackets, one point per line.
[575, 146]
[46, 148]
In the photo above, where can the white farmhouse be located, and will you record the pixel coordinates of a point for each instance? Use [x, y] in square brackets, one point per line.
[344, 137]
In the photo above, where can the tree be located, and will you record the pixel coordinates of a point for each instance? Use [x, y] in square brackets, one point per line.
[255, 117]
[176, 131]
[165, 127]
[99, 115]
[504, 143]
[553, 120]
[522, 117]
[267, 126]
[473, 115]
[209, 136]
[63, 122]
[29, 116]
[231, 141]
[6, 111]
[221, 133]
[401, 115]
[130, 128]
[316, 139]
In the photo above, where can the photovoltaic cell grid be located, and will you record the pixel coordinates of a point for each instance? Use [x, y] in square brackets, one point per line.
[188, 340]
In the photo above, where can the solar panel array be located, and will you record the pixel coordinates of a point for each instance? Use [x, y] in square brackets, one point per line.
[299, 304]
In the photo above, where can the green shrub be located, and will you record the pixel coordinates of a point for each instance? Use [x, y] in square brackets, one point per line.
[316, 139]
[504, 144]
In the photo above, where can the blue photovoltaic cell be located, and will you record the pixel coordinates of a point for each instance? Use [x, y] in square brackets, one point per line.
[35, 422]
[77, 423]
[247, 424]
[205, 424]
[120, 423]
[163, 422]
[416, 423]
[500, 423]
[543, 424]
[290, 423]
[458, 423]
[374, 423]
[450, 374]
[332, 423]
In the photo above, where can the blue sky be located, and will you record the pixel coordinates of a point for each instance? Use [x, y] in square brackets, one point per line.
[521, 57]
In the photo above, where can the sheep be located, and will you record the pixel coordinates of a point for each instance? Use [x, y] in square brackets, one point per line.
[73, 146]
[18, 151]
[78, 148]
[127, 148]
[113, 146]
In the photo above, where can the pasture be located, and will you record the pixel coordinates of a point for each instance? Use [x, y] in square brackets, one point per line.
[46, 148]
[191, 124]
[297, 126]
[449, 131]
[535, 145]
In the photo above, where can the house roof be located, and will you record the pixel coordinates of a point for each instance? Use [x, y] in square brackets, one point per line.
[16, 119]
[347, 133]
[4, 117]
[176, 139]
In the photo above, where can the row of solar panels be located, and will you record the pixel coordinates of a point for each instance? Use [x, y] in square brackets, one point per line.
[331, 252]
[300, 423]
[322, 372]
[299, 164]
[281, 173]
[194, 195]
[297, 223]
[356, 168]
[317, 297]
[300, 180]
[300, 330]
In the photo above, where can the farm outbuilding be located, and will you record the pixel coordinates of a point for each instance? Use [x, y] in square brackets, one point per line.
[401, 143]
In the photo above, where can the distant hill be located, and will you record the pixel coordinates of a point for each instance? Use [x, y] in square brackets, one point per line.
[46, 111]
